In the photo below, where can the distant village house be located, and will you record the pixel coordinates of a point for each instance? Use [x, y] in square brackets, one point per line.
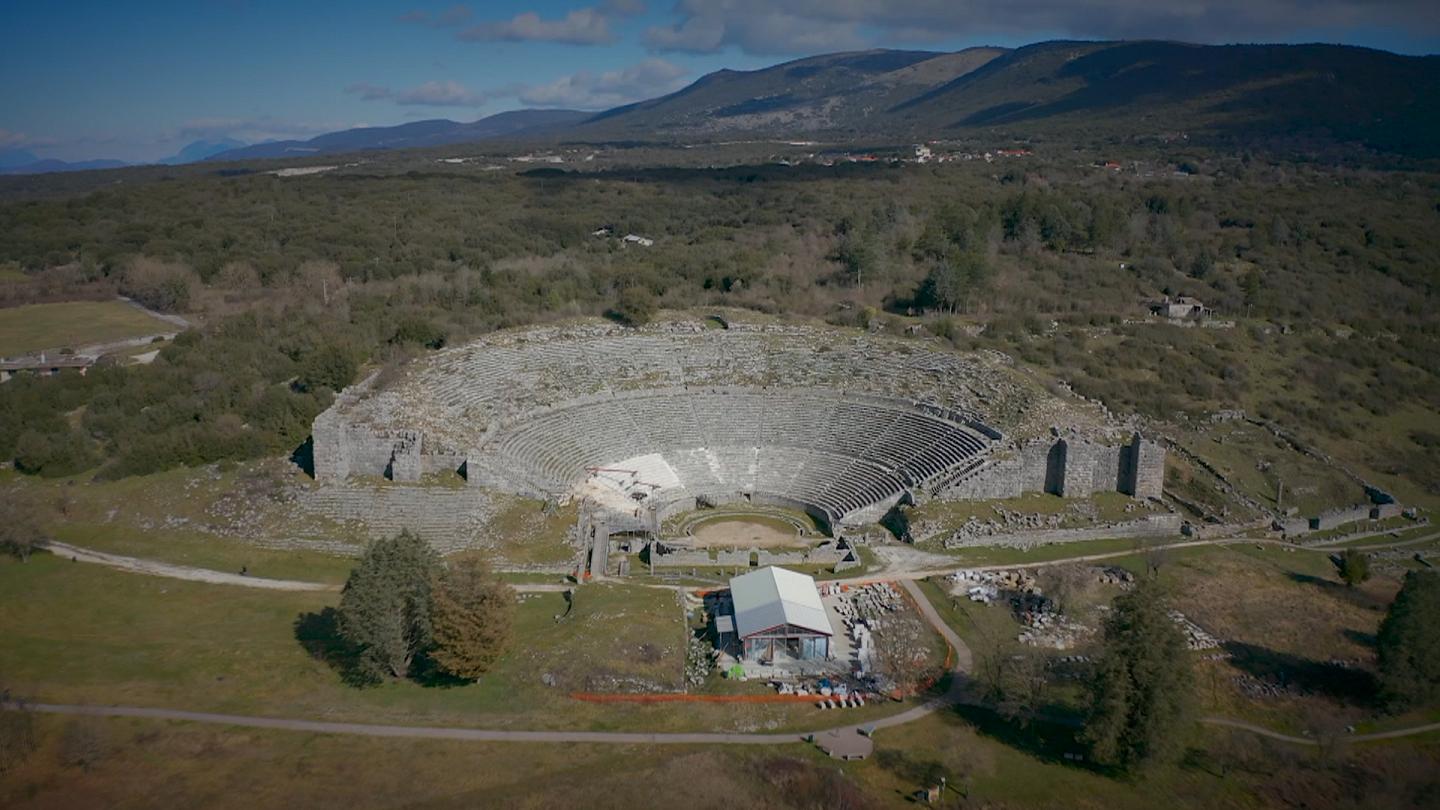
[1182, 308]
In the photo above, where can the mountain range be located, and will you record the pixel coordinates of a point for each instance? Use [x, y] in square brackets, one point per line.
[1332, 93]
[1304, 94]
[1236, 94]
[435, 132]
[22, 161]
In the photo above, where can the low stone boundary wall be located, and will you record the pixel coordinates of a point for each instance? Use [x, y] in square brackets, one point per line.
[1151, 526]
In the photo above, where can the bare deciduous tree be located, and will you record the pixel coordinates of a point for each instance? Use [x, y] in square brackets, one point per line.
[900, 651]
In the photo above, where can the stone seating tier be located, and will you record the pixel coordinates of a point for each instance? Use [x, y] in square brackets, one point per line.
[837, 455]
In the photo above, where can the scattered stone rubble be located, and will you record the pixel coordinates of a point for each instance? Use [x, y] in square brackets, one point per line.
[1195, 637]
[700, 659]
[1029, 529]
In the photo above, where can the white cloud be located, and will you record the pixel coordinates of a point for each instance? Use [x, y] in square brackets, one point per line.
[585, 26]
[455, 15]
[440, 94]
[429, 94]
[593, 91]
[369, 92]
[766, 29]
[623, 8]
[12, 140]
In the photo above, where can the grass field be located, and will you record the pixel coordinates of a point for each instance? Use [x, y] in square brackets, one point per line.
[73, 323]
[84, 633]
[1282, 615]
[526, 535]
[200, 550]
[987, 763]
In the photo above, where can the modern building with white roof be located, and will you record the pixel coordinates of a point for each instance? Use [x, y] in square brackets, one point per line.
[778, 613]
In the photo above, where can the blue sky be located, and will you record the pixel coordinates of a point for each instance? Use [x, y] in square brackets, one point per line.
[138, 80]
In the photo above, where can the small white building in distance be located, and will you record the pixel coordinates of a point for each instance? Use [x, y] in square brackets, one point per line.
[778, 615]
[1180, 308]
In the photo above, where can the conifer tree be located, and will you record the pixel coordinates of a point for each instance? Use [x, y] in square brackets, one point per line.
[1409, 642]
[386, 604]
[1141, 695]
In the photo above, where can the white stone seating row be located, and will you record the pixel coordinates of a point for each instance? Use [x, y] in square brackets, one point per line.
[838, 455]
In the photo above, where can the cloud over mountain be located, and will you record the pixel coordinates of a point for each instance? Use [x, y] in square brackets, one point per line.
[773, 27]
[429, 94]
[592, 91]
[585, 26]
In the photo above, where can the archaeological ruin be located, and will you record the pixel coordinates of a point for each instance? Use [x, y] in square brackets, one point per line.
[646, 424]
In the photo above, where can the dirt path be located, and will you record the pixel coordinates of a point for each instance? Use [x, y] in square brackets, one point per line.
[137, 565]
[1110, 555]
[1290, 738]
[143, 566]
[160, 569]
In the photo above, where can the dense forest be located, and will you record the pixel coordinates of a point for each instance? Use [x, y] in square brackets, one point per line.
[1328, 274]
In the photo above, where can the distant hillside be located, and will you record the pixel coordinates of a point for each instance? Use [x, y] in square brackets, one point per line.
[10, 158]
[51, 165]
[833, 92]
[435, 132]
[1327, 91]
[199, 150]
[1324, 92]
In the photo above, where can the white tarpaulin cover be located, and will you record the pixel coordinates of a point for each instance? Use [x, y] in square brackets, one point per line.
[772, 597]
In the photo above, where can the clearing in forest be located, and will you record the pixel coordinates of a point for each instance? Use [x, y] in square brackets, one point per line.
[33, 327]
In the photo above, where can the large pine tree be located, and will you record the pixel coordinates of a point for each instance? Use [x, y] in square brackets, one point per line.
[1142, 693]
[1409, 642]
[385, 607]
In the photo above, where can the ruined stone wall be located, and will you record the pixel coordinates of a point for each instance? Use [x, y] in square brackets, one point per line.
[1145, 476]
[1149, 526]
[1070, 467]
[1005, 477]
[740, 558]
[431, 463]
[1077, 468]
[328, 448]
[342, 450]
[449, 519]
[1088, 468]
[1336, 517]
[405, 463]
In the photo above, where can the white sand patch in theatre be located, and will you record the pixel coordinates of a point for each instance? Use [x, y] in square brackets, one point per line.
[623, 484]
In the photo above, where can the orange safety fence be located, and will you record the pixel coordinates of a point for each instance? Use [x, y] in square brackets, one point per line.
[676, 697]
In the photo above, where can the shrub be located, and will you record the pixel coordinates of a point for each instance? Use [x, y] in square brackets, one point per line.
[330, 366]
[162, 286]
